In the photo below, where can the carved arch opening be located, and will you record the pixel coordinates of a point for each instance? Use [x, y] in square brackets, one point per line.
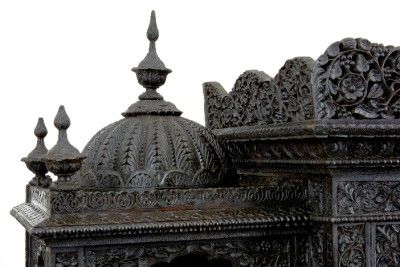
[40, 261]
[195, 260]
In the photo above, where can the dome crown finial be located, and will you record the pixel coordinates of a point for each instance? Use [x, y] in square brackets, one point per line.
[152, 31]
[151, 72]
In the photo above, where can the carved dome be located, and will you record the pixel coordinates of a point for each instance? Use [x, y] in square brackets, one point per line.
[152, 146]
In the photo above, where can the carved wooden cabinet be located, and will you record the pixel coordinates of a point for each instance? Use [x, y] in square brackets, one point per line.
[297, 170]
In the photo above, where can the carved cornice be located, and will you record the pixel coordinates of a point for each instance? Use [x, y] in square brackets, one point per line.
[315, 151]
[158, 222]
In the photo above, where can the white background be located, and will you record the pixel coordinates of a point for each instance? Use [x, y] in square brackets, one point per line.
[79, 53]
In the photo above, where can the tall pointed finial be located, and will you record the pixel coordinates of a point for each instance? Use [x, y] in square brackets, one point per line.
[63, 159]
[151, 72]
[152, 30]
[35, 159]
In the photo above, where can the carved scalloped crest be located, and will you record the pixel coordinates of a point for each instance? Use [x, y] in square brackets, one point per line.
[257, 99]
[354, 78]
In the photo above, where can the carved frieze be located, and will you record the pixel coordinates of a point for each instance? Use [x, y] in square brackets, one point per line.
[65, 202]
[315, 151]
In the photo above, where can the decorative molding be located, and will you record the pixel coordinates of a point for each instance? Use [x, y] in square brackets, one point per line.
[361, 151]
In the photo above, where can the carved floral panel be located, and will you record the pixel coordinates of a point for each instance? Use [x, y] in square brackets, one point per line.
[387, 245]
[66, 259]
[351, 245]
[368, 197]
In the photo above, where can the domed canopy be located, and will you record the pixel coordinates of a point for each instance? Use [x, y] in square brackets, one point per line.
[152, 146]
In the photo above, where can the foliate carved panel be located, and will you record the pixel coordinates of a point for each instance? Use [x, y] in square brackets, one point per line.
[316, 196]
[368, 197]
[274, 252]
[317, 246]
[40, 197]
[66, 259]
[387, 245]
[351, 245]
[257, 99]
[355, 78]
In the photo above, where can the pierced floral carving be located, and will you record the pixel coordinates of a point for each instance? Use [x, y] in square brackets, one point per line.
[354, 78]
[357, 79]
[269, 252]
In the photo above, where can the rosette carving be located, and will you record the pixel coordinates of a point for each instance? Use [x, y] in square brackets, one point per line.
[355, 78]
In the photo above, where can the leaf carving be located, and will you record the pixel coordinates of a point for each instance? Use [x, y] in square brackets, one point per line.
[361, 63]
[336, 71]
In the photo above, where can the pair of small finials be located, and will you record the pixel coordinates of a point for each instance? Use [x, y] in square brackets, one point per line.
[63, 160]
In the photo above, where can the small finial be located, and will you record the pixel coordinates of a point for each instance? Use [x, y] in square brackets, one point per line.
[40, 129]
[63, 159]
[62, 121]
[152, 31]
[35, 160]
